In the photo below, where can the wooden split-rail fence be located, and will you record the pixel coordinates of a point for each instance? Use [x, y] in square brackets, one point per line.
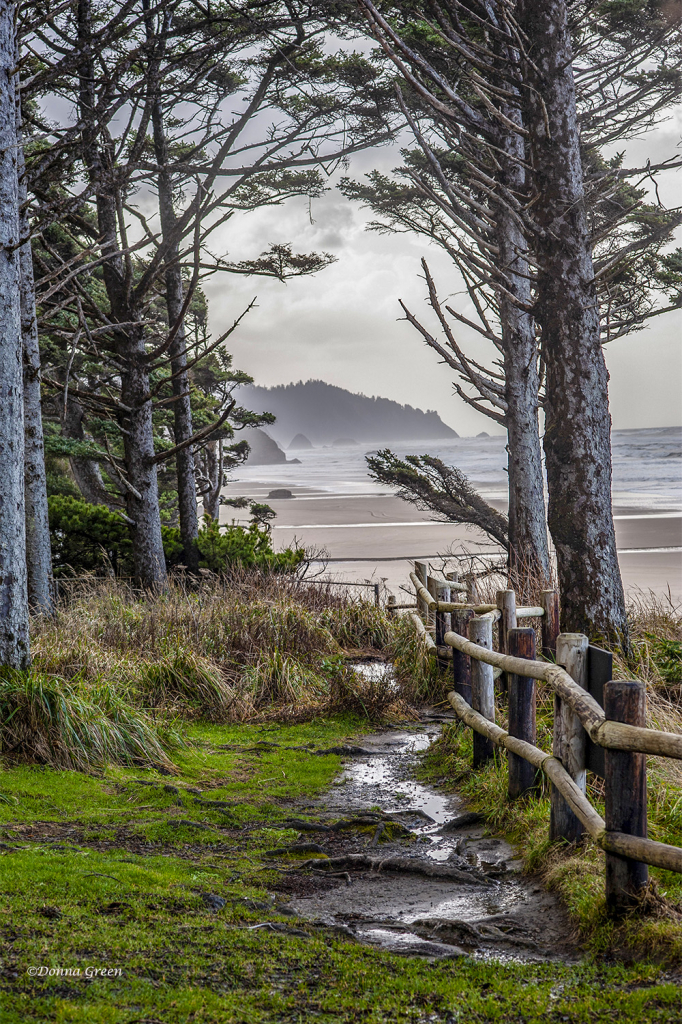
[599, 722]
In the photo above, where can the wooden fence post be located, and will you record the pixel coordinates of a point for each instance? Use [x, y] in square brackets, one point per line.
[432, 585]
[442, 620]
[549, 599]
[482, 687]
[521, 644]
[625, 795]
[461, 663]
[421, 570]
[570, 739]
[377, 595]
[391, 602]
[506, 603]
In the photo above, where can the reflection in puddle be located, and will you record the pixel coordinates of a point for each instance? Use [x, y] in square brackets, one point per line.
[384, 781]
[512, 916]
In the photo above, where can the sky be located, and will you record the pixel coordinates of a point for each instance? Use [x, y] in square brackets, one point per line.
[343, 324]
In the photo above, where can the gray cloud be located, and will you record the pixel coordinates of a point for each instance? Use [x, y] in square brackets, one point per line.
[342, 324]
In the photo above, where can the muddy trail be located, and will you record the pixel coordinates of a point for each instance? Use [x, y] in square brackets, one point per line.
[391, 862]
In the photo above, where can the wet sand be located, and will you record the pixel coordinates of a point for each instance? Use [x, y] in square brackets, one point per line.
[375, 536]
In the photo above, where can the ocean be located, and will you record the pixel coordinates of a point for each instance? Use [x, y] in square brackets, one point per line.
[647, 468]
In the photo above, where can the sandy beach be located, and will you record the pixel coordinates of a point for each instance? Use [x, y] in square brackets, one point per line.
[375, 536]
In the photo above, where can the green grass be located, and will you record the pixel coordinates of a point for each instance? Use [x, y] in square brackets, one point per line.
[124, 893]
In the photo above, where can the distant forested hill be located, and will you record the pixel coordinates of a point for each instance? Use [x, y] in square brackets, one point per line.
[325, 414]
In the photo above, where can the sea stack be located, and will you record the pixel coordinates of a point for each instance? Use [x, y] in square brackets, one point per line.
[264, 451]
[300, 443]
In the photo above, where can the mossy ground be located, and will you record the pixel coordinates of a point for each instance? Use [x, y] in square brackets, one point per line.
[108, 876]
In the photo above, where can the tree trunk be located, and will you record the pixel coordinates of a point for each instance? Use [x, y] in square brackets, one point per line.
[182, 408]
[577, 423]
[140, 483]
[86, 472]
[38, 547]
[142, 493]
[528, 548]
[14, 635]
[214, 472]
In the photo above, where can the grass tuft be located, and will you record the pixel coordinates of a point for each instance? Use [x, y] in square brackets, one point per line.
[190, 685]
[50, 721]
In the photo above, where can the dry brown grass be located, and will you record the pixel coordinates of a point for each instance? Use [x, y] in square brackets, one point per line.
[248, 647]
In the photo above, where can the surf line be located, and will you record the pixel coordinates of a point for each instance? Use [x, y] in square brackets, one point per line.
[431, 522]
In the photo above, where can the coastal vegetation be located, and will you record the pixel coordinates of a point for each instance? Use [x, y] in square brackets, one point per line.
[160, 747]
[176, 694]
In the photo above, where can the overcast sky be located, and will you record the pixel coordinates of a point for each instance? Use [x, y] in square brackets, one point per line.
[342, 325]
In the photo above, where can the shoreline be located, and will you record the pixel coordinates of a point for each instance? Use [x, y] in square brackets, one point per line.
[373, 536]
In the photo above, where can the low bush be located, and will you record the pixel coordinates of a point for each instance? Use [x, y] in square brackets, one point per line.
[94, 539]
[222, 548]
[87, 538]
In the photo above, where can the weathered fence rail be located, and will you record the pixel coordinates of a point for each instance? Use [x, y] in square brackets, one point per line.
[599, 723]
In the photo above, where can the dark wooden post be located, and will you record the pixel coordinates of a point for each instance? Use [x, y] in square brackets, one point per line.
[521, 644]
[377, 594]
[625, 795]
[482, 687]
[432, 585]
[570, 739]
[461, 663]
[390, 604]
[506, 603]
[599, 672]
[549, 599]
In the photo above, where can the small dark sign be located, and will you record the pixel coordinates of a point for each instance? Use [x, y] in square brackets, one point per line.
[599, 671]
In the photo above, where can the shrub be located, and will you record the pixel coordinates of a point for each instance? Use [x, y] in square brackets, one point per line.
[250, 547]
[87, 538]
[92, 539]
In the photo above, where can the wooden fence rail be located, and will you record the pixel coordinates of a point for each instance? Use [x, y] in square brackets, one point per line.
[599, 723]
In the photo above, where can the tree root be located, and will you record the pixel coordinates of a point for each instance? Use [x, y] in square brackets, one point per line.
[404, 864]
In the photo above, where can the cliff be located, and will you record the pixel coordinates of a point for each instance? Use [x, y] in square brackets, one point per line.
[324, 413]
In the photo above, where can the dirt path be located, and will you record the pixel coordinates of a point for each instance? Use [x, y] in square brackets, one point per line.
[486, 907]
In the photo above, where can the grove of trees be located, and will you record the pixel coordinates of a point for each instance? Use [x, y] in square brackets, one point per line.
[130, 132]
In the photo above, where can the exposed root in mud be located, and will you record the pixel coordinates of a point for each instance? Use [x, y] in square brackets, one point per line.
[402, 864]
[398, 865]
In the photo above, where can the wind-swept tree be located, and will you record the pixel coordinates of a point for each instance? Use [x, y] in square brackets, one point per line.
[466, 67]
[464, 187]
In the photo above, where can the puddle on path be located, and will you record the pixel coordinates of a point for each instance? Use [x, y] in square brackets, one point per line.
[500, 914]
